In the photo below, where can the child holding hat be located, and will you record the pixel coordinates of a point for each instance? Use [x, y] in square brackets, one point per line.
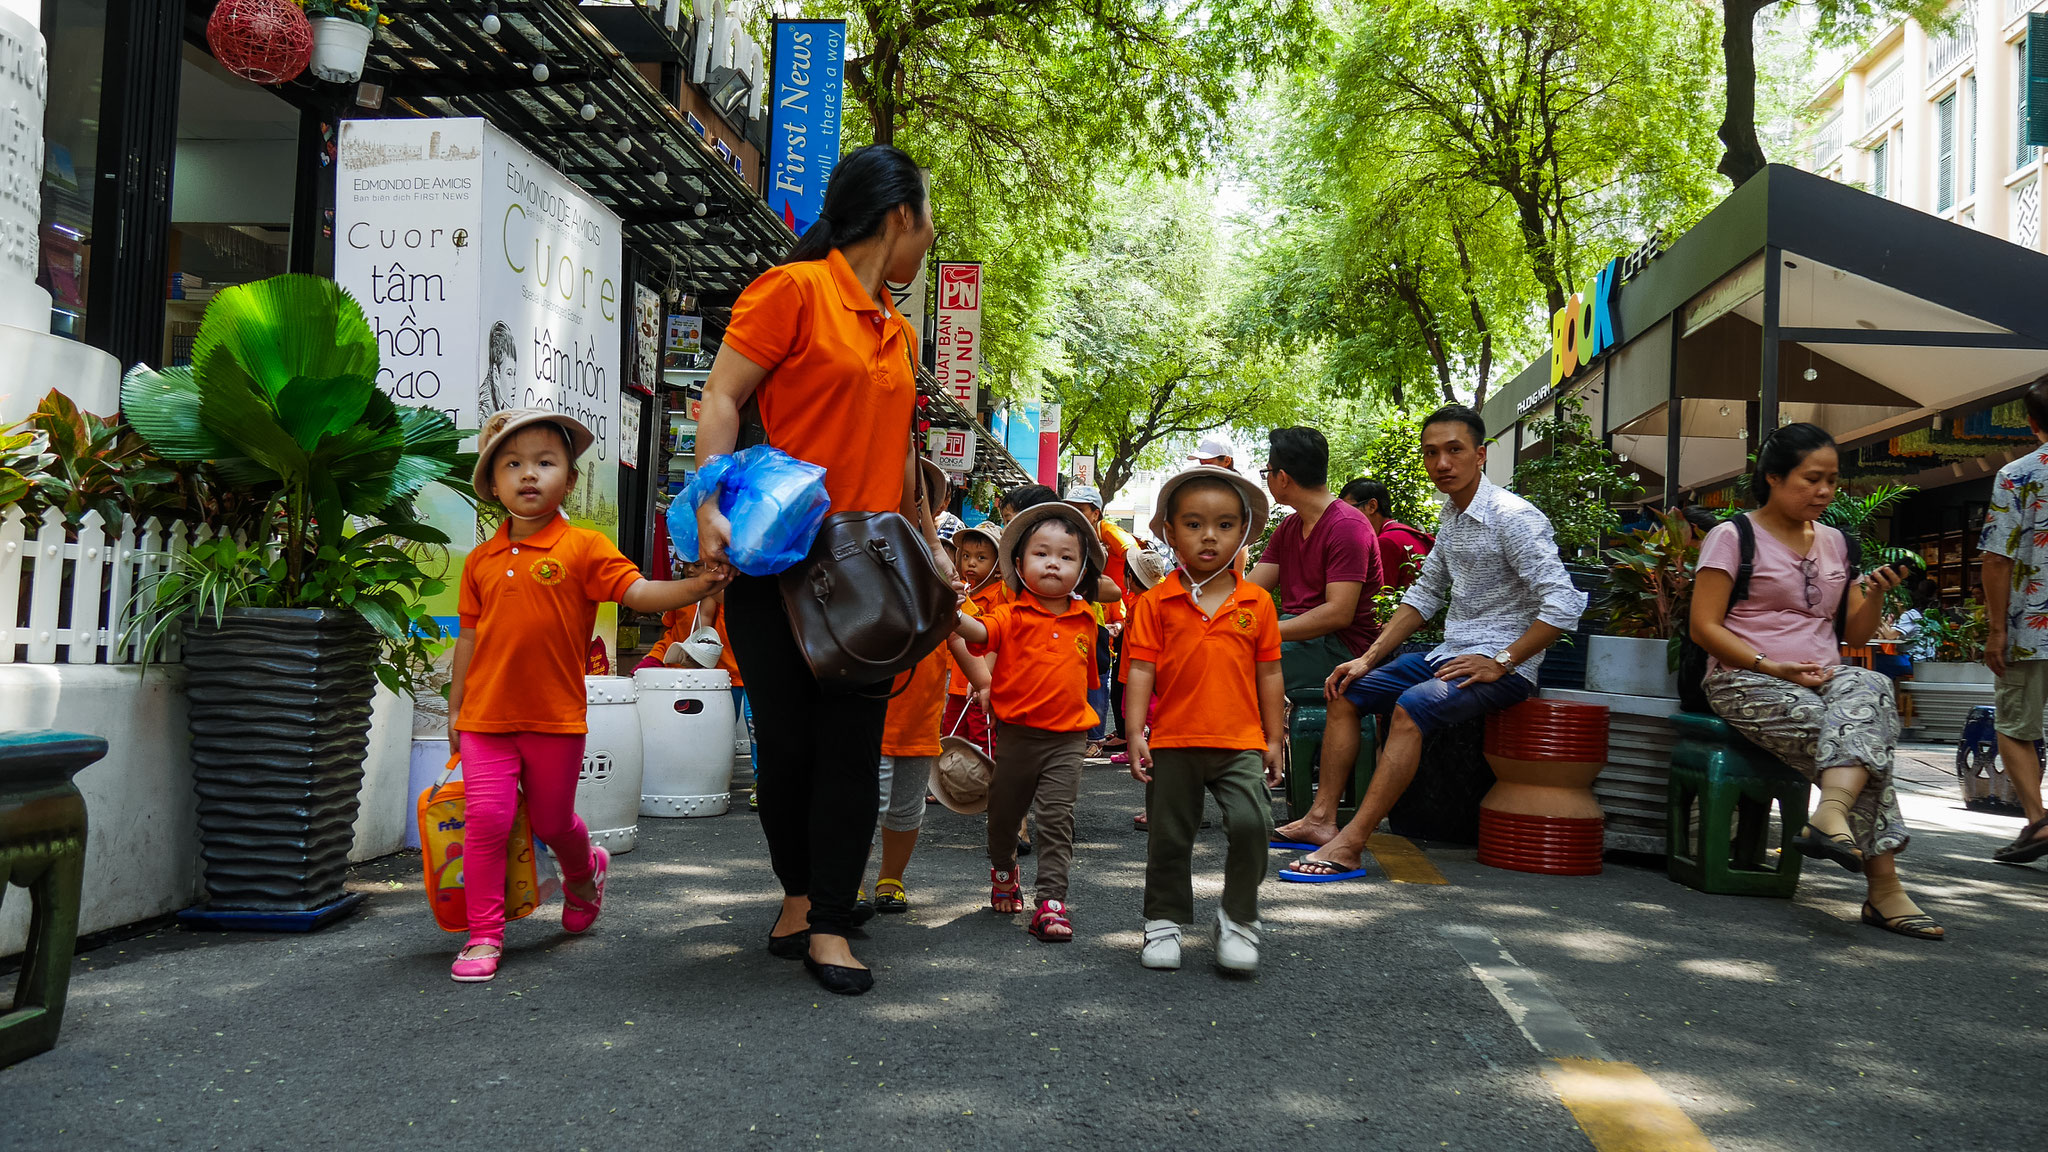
[516, 707]
[1204, 648]
[1045, 641]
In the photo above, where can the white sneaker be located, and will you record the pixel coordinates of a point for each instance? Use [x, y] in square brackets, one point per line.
[1237, 945]
[1162, 945]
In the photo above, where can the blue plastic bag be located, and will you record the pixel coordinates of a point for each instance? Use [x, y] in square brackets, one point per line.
[774, 501]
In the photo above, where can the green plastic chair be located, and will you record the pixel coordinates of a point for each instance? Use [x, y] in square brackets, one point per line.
[1306, 719]
[42, 849]
[1730, 784]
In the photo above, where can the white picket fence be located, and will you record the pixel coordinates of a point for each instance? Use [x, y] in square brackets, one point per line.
[74, 593]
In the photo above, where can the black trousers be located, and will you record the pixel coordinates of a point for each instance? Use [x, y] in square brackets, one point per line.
[818, 761]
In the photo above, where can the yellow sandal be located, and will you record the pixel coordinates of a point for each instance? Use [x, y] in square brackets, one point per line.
[890, 896]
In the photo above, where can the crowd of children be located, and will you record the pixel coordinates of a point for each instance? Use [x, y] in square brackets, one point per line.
[1012, 687]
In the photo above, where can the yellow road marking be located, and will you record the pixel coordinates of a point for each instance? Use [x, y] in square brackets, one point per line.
[1402, 861]
[1620, 1109]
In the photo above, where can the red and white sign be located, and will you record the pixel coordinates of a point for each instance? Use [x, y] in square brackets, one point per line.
[952, 449]
[956, 346]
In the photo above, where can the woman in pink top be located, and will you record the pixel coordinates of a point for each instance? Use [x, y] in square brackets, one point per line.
[1776, 673]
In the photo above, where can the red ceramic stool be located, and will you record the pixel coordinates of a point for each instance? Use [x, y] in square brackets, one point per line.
[1541, 816]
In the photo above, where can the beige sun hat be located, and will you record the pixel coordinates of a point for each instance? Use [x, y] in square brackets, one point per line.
[1030, 518]
[1148, 566]
[504, 423]
[960, 776]
[1255, 505]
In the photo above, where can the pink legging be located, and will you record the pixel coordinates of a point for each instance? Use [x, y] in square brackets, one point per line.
[496, 768]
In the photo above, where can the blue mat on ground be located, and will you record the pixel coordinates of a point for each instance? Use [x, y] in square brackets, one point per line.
[310, 920]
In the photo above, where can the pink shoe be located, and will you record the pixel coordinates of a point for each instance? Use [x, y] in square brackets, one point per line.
[578, 916]
[1120, 758]
[478, 969]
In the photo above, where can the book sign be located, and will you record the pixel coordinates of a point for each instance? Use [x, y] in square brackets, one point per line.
[957, 343]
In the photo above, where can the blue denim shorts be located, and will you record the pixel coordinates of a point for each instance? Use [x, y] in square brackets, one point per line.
[1410, 684]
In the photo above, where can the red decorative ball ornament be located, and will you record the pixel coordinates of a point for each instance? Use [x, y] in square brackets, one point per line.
[268, 41]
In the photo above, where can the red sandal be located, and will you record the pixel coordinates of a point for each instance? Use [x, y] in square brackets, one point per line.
[1004, 895]
[1051, 914]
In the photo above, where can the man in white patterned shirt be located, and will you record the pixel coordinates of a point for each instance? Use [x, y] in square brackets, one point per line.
[1496, 570]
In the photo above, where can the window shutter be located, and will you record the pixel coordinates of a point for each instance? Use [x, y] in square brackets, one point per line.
[2036, 120]
[1970, 136]
[2022, 153]
[1945, 153]
[1878, 181]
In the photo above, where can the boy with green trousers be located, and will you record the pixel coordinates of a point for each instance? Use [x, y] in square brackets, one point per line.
[1204, 649]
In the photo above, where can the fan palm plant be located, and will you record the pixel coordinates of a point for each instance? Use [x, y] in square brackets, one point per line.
[281, 401]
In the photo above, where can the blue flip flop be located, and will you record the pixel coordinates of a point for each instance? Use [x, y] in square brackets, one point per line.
[1291, 876]
[1294, 845]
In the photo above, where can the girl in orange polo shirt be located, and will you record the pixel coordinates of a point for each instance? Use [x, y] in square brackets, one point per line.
[516, 703]
[910, 749]
[1046, 638]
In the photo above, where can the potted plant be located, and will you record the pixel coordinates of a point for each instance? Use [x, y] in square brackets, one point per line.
[1573, 483]
[342, 31]
[1945, 688]
[286, 633]
[1649, 594]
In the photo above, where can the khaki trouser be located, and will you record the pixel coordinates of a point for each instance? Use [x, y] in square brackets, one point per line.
[1173, 806]
[1039, 771]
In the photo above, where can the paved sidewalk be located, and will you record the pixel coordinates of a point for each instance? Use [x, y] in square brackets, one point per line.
[1774, 1025]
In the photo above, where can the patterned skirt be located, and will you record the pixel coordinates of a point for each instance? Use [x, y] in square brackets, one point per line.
[1851, 721]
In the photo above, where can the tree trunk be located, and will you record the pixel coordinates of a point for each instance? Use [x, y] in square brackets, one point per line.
[1744, 155]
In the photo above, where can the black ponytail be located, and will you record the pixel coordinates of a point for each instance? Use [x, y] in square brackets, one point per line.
[1781, 452]
[867, 184]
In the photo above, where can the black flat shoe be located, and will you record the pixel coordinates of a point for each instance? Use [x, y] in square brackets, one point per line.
[1023, 847]
[839, 981]
[794, 946]
[1813, 844]
[863, 911]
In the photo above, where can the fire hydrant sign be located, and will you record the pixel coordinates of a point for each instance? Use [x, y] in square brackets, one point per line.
[492, 281]
[956, 343]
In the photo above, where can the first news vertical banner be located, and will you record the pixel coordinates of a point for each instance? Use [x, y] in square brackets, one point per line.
[803, 117]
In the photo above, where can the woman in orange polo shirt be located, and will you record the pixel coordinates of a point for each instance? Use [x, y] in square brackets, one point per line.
[817, 342]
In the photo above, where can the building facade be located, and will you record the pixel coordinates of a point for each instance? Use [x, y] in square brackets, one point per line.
[1937, 121]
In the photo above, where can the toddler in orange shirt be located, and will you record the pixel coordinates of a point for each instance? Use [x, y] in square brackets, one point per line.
[1204, 649]
[1045, 642]
[516, 701]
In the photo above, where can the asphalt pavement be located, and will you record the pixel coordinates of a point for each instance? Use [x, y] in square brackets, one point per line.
[1771, 1025]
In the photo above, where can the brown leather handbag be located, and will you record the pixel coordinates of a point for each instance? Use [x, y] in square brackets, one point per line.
[868, 602]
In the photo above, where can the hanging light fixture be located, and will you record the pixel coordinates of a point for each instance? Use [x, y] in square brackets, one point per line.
[490, 23]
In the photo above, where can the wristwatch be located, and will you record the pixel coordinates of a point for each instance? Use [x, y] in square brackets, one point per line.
[1505, 659]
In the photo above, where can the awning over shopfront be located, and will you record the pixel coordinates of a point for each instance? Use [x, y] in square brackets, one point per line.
[679, 204]
[1802, 299]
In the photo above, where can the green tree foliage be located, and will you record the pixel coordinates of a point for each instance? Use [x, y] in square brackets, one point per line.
[1834, 22]
[1019, 106]
[1386, 446]
[1456, 168]
[1140, 314]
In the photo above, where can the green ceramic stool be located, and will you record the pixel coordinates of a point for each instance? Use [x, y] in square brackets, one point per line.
[1730, 783]
[1305, 721]
[42, 849]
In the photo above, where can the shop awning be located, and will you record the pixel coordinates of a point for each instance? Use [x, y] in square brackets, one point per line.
[636, 155]
[1881, 321]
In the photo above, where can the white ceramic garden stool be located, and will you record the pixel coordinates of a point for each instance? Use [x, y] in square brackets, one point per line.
[686, 724]
[608, 788]
[742, 754]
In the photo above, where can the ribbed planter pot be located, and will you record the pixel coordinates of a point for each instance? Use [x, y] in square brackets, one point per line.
[279, 704]
[1943, 695]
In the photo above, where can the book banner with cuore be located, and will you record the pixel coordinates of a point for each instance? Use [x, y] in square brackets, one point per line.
[492, 281]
